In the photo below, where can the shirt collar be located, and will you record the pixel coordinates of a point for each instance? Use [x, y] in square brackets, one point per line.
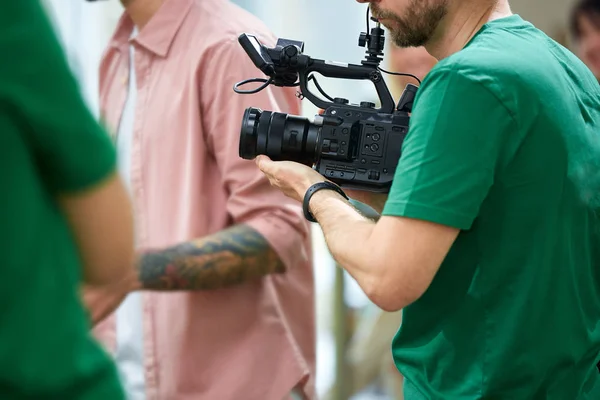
[158, 34]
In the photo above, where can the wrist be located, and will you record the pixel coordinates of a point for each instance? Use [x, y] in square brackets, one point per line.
[319, 202]
[314, 189]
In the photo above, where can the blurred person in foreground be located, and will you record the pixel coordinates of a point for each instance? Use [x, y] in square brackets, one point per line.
[65, 219]
[489, 239]
[221, 303]
[585, 30]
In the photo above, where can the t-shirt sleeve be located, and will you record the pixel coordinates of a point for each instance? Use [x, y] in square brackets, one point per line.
[450, 156]
[39, 91]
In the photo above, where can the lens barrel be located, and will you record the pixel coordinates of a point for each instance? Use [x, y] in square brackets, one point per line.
[278, 135]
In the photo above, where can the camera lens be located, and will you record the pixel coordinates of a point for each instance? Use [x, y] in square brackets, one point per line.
[278, 135]
[248, 136]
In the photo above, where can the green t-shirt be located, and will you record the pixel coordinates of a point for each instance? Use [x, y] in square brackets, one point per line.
[49, 144]
[504, 144]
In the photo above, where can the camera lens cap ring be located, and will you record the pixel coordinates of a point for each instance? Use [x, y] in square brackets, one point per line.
[276, 132]
[264, 122]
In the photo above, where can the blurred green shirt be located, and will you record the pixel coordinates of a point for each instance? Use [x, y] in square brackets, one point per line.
[49, 144]
[504, 144]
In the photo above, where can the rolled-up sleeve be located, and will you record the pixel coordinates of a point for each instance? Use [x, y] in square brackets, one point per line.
[252, 200]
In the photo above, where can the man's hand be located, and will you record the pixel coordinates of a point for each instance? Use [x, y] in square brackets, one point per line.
[101, 301]
[292, 178]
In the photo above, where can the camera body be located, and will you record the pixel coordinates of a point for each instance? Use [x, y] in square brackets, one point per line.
[357, 146]
[360, 148]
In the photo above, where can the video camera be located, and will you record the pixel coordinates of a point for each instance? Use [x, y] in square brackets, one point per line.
[355, 146]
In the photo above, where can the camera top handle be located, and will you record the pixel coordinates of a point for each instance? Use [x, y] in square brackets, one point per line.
[347, 71]
[286, 65]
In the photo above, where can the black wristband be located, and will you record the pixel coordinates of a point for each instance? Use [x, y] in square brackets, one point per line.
[314, 189]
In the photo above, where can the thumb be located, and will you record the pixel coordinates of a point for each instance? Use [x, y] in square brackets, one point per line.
[262, 161]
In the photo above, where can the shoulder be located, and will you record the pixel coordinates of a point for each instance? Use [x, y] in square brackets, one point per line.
[488, 69]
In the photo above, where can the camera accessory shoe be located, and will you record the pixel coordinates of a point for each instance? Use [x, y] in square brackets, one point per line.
[314, 189]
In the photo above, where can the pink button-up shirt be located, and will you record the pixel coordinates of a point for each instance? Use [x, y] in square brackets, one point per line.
[255, 341]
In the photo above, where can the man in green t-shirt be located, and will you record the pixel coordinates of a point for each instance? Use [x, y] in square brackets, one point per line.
[65, 219]
[489, 240]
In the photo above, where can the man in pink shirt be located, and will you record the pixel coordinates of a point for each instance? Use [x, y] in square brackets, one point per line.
[220, 305]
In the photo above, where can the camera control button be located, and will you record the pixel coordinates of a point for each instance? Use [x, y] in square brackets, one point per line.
[374, 147]
[340, 100]
[334, 173]
[376, 137]
[374, 175]
[291, 51]
[367, 104]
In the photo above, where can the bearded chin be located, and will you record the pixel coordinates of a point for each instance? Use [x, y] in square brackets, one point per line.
[404, 36]
[417, 26]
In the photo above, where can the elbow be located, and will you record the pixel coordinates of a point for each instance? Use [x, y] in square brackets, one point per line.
[390, 295]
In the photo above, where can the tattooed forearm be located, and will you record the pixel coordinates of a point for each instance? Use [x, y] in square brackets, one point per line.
[229, 257]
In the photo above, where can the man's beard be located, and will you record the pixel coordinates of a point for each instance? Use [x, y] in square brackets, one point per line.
[416, 27]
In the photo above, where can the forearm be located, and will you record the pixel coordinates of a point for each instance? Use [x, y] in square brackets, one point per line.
[101, 220]
[226, 258]
[376, 201]
[347, 234]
